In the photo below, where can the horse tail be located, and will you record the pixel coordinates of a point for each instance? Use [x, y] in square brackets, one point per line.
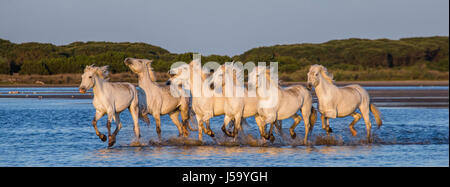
[377, 114]
[313, 116]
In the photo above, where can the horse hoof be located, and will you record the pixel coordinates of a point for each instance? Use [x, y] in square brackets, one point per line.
[211, 133]
[329, 130]
[272, 138]
[293, 135]
[225, 131]
[102, 137]
[112, 141]
[186, 133]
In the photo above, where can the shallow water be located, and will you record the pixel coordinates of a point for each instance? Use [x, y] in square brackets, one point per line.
[58, 132]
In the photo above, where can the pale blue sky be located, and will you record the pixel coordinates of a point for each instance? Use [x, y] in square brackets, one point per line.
[227, 27]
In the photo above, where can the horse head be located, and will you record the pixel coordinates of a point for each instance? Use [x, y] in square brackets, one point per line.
[89, 75]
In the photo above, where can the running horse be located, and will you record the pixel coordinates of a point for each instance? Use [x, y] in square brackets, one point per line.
[339, 102]
[110, 98]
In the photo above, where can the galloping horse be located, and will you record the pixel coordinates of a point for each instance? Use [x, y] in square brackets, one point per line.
[111, 99]
[159, 99]
[204, 106]
[277, 103]
[340, 102]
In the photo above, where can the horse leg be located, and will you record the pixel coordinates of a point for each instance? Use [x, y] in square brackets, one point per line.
[174, 117]
[112, 140]
[279, 126]
[97, 116]
[200, 127]
[322, 118]
[365, 114]
[306, 113]
[237, 126]
[226, 121]
[208, 129]
[158, 125]
[271, 137]
[328, 128]
[108, 126]
[326, 124]
[185, 121]
[134, 110]
[261, 126]
[357, 117]
[297, 120]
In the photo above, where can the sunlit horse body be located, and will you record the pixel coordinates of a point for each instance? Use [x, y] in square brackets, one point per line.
[204, 106]
[159, 99]
[238, 103]
[111, 99]
[276, 103]
[336, 101]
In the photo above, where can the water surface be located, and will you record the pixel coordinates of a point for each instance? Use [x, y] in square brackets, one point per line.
[58, 132]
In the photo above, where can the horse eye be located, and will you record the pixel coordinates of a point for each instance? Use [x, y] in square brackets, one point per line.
[90, 77]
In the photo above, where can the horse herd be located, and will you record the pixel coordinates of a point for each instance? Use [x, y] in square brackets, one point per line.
[263, 98]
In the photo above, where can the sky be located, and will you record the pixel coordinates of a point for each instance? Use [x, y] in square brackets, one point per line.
[227, 27]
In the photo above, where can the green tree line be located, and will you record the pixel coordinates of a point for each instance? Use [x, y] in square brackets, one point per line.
[347, 55]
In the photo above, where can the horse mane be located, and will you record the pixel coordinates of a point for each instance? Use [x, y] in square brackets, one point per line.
[102, 72]
[325, 74]
[150, 72]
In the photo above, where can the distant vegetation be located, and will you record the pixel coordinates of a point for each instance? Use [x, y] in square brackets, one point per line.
[424, 58]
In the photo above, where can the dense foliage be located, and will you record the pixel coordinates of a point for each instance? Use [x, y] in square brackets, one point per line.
[353, 55]
[356, 54]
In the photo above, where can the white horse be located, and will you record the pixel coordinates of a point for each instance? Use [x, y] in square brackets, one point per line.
[226, 77]
[340, 102]
[159, 99]
[204, 106]
[238, 104]
[278, 103]
[111, 99]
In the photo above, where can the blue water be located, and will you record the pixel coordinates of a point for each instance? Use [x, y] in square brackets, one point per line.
[58, 132]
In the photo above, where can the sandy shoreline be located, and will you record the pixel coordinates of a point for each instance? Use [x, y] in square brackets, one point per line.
[429, 98]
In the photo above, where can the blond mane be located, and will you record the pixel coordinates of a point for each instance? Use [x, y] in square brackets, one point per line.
[150, 72]
[325, 74]
[102, 72]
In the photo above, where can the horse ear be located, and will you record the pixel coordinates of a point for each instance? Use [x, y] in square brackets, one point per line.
[88, 67]
[148, 62]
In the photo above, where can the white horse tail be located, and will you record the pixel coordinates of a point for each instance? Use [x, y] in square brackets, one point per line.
[377, 114]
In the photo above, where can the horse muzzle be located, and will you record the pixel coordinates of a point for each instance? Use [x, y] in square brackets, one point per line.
[127, 61]
[82, 90]
[309, 86]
